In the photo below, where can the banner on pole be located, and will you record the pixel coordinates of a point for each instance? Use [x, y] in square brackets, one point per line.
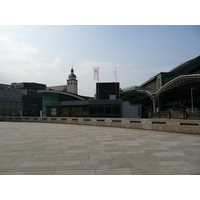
[96, 73]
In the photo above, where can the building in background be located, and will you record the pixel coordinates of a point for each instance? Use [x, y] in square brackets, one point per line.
[71, 86]
[72, 83]
[169, 92]
[85, 108]
[32, 100]
[58, 97]
[108, 90]
[10, 101]
[66, 104]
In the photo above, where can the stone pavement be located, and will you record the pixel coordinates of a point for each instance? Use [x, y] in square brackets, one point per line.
[63, 149]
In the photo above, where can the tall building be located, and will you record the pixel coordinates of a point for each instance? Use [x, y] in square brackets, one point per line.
[72, 83]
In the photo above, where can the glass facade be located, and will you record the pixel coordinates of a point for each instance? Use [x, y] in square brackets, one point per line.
[10, 101]
[32, 100]
[47, 98]
[64, 105]
[84, 111]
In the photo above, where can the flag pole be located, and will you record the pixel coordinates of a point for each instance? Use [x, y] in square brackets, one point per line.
[96, 78]
[98, 82]
[115, 82]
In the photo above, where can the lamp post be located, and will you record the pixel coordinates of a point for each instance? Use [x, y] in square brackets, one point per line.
[192, 100]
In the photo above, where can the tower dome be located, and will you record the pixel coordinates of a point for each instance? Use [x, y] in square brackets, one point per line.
[72, 75]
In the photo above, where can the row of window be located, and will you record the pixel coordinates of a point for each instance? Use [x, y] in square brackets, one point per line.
[72, 83]
[10, 104]
[90, 111]
[11, 98]
[9, 112]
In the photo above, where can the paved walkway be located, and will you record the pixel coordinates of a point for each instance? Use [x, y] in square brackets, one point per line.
[61, 149]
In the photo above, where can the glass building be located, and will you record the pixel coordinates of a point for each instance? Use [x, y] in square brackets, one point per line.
[32, 100]
[10, 101]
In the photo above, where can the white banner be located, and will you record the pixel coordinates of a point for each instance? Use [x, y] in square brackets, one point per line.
[96, 73]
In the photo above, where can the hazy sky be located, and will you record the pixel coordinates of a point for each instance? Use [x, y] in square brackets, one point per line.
[44, 54]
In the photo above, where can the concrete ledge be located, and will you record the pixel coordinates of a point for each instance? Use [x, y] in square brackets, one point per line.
[169, 125]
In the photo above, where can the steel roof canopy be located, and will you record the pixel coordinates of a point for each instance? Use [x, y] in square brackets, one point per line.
[183, 80]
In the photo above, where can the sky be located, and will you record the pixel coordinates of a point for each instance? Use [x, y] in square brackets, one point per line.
[46, 53]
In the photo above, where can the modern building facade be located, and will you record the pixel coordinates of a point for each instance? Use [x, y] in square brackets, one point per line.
[108, 104]
[72, 83]
[50, 96]
[85, 108]
[10, 101]
[32, 100]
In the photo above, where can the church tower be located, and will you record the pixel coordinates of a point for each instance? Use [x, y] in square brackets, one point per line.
[72, 83]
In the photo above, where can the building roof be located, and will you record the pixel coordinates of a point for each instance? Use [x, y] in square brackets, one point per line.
[183, 65]
[184, 81]
[62, 88]
[189, 67]
[78, 97]
[64, 93]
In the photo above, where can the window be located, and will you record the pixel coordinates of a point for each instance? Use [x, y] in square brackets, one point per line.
[139, 111]
[93, 110]
[53, 111]
[108, 110]
[116, 110]
[100, 110]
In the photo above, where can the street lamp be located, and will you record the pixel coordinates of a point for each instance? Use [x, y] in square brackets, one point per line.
[192, 99]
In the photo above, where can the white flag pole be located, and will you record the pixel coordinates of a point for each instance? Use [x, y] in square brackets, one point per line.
[96, 77]
[98, 82]
[96, 73]
[115, 79]
[115, 75]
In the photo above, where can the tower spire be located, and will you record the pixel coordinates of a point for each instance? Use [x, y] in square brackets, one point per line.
[72, 82]
[72, 70]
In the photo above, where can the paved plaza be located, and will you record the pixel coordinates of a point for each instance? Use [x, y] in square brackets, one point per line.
[63, 149]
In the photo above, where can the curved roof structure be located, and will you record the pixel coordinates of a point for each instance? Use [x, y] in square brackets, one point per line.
[63, 93]
[173, 85]
[190, 67]
[183, 82]
[186, 81]
[148, 93]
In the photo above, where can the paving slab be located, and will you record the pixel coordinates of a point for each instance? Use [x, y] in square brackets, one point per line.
[64, 149]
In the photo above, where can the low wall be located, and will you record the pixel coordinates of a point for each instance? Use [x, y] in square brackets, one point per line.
[169, 125]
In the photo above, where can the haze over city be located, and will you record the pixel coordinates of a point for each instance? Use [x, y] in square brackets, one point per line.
[45, 54]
